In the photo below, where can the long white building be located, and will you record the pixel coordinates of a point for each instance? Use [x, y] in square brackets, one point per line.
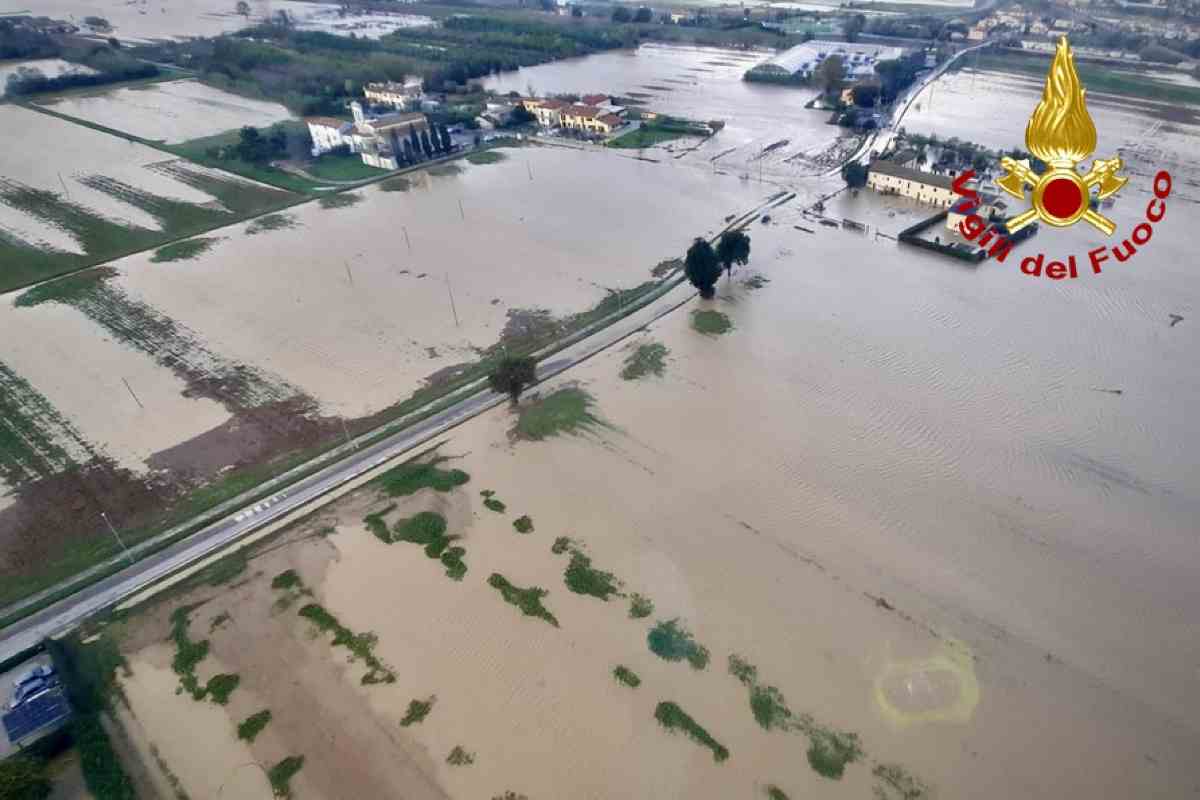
[858, 60]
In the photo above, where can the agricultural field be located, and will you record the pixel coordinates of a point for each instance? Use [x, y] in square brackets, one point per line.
[196, 369]
[170, 112]
[102, 197]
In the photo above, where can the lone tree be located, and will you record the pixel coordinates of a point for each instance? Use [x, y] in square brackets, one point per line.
[733, 248]
[512, 375]
[855, 175]
[702, 267]
[243, 8]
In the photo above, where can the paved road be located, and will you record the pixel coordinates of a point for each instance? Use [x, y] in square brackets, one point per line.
[69, 612]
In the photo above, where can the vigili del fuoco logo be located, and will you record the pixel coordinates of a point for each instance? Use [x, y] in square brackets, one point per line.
[1061, 134]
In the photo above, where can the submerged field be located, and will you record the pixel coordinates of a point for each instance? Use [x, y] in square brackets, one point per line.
[102, 197]
[702, 566]
[194, 370]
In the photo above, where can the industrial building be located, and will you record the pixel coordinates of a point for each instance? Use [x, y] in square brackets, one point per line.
[801, 61]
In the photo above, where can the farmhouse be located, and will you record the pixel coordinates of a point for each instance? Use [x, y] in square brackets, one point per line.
[887, 177]
[403, 96]
[378, 139]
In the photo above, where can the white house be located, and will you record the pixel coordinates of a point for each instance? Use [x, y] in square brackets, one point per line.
[328, 133]
[886, 177]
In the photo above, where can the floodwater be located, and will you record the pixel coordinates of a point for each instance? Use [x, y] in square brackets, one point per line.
[700, 83]
[171, 111]
[50, 67]
[357, 306]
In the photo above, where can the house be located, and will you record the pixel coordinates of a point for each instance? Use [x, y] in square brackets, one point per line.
[397, 95]
[594, 100]
[590, 119]
[887, 177]
[327, 133]
[548, 112]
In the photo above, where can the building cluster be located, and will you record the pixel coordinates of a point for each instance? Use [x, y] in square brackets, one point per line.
[801, 61]
[594, 114]
[381, 140]
[406, 96]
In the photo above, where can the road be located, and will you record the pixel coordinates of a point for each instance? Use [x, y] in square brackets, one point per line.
[307, 492]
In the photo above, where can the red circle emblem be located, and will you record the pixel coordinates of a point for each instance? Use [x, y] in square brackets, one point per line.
[1062, 198]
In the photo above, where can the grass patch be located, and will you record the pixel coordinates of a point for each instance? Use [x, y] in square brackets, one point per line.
[674, 718]
[894, 783]
[396, 184]
[221, 686]
[185, 250]
[626, 676]
[775, 793]
[203, 150]
[486, 157]
[830, 751]
[711, 322]
[188, 653]
[523, 524]
[31, 433]
[282, 773]
[445, 170]
[567, 410]
[418, 710]
[218, 621]
[288, 579]
[271, 222]
[582, 578]
[410, 478]
[426, 528]
[647, 359]
[459, 757]
[337, 167]
[340, 200]
[528, 600]
[671, 641]
[657, 131]
[252, 726]
[640, 606]
[489, 500]
[560, 546]
[360, 645]
[376, 524]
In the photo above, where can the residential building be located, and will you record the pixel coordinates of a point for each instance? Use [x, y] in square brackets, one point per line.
[548, 112]
[595, 100]
[889, 178]
[590, 119]
[379, 140]
[328, 133]
[402, 96]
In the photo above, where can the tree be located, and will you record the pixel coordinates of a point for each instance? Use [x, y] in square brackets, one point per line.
[521, 116]
[243, 8]
[854, 26]
[23, 778]
[643, 14]
[865, 94]
[621, 14]
[512, 375]
[733, 248]
[828, 76]
[702, 267]
[855, 175]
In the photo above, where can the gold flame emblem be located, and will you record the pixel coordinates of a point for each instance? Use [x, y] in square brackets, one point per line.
[1061, 133]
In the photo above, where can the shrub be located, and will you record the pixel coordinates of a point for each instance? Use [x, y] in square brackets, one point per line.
[670, 641]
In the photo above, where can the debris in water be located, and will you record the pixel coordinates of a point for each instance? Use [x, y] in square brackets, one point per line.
[1175, 320]
[1109, 391]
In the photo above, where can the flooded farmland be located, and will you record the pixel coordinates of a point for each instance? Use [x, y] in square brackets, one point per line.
[171, 111]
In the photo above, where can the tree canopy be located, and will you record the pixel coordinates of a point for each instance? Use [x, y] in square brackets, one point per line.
[702, 267]
[733, 248]
[855, 174]
[512, 375]
[829, 75]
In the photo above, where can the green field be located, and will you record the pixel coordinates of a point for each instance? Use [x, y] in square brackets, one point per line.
[338, 167]
[652, 132]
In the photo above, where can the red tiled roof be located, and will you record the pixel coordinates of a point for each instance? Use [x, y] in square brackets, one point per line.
[553, 104]
[594, 99]
[613, 120]
[583, 111]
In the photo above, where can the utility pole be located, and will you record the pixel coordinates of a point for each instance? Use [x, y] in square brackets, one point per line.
[450, 292]
[131, 394]
[529, 167]
[406, 241]
[348, 273]
[64, 185]
[345, 431]
[117, 536]
[461, 212]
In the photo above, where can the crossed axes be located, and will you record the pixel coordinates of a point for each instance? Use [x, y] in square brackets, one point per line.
[1102, 174]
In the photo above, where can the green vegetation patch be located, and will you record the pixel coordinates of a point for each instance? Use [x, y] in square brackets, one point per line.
[221, 686]
[640, 606]
[626, 676]
[830, 751]
[674, 718]
[486, 157]
[560, 546]
[218, 621]
[33, 433]
[567, 410]
[271, 222]
[445, 170]
[528, 600]
[426, 528]
[647, 359]
[671, 641]
[397, 184]
[489, 500]
[252, 726]
[337, 167]
[711, 322]
[340, 200]
[582, 578]
[775, 793]
[418, 710]
[523, 524]
[185, 250]
[657, 131]
[377, 525]
[360, 645]
[892, 782]
[410, 478]
[282, 773]
[288, 579]
[459, 757]
[188, 653]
